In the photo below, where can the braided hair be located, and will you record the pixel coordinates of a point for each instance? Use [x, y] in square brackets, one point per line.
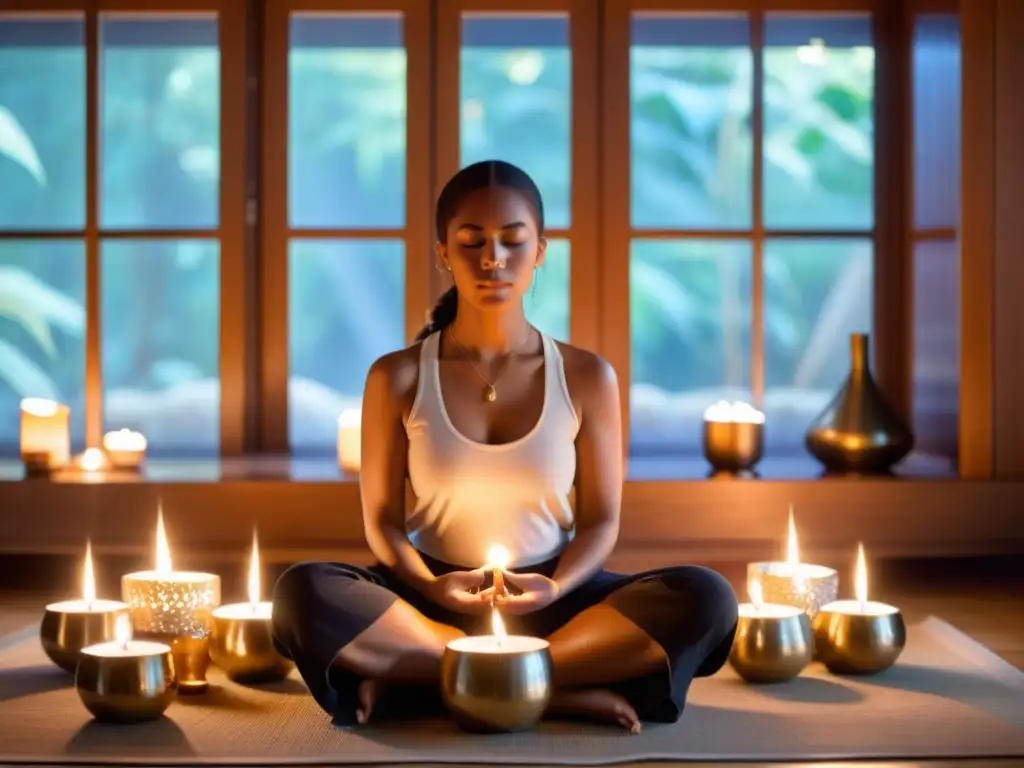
[483, 175]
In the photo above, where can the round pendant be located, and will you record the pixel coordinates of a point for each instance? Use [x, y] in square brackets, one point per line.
[490, 394]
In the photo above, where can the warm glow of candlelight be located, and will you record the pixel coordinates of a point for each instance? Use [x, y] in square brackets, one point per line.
[92, 460]
[88, 577]
[163, 551]
[40, 406]
[756, 593]
[254, 572]
[497, 625]
[792, 544]
[498, 557]
[860, 578]
[123, 630]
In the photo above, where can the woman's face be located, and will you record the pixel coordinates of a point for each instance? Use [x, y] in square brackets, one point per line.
[492, 248]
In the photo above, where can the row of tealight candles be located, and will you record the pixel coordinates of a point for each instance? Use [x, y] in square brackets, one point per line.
[794, 616]
[46, 442]
[131, 657]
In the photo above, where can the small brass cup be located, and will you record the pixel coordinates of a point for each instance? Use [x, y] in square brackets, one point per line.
[242, 645]
[733, 446]
[70, 626]
[855, 638]
[127, 689]
[191, 655]
[773, 643]
[496, 691]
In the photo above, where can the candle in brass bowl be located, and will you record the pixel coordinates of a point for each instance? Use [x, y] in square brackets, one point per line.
[861, 636]
[242, 642]
[69, 626]
[773, 643]
[125, 680]
[733, 437]
[497, 683]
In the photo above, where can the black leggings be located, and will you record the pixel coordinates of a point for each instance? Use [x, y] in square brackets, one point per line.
[320, 607]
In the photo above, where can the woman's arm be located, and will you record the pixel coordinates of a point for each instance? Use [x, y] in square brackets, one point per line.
[599, 471]
[383, 469]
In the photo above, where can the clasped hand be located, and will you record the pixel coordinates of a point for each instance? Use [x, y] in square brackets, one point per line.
[462, 591]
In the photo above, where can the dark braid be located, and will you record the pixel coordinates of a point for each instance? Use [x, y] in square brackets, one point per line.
[482, 175]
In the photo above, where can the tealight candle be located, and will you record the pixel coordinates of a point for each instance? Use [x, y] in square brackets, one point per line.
[175, 606]
[45, 434]
[733, 437]
[795, 583]
[125, 680]
[242, 642]
[349, 436]
[773, 642]
[860, 636]
[71, 625]
[125, 448]
[92, 461]
[498, 682]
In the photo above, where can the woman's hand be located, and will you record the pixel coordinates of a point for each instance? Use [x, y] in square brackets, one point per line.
[529, 592]
[456, 591]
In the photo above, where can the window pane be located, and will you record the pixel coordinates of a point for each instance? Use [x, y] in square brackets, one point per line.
[346, 113]
[42, 332]
[346, 308]
[936, 121]
[817, 292]
[160, 324]
[937, 346]
[818, 122]
[547, 303]
[690, 338]
[159, 120]
[516, 101]
[42, 123]
[690, 140]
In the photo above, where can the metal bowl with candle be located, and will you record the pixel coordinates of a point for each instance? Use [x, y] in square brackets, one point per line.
[733, 436]
[71, 625]
[497, 683]
[861, 636]
[125, 680]
[242, 642]
[773, 643]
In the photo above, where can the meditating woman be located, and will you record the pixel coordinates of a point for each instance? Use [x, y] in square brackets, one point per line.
[494, 424]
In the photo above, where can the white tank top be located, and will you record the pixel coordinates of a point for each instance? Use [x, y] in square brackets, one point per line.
[471, 496]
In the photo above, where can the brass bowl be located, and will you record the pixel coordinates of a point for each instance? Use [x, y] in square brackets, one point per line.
[859, 641]
[772, 646]
[733, 446]
[243, 647]
[68, 627]
[127, 689]
[491, 691]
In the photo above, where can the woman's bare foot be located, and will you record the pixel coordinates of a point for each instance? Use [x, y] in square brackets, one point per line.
[596, 704]
[369, 694]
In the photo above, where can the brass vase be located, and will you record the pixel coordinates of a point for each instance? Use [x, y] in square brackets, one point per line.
[858, 431]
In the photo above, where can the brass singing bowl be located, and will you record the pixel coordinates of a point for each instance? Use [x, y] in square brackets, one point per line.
[733, 446]
[496, 692]
[772, 650]
[128, 689]
[63, 634]
[244, 650]
[858, 644]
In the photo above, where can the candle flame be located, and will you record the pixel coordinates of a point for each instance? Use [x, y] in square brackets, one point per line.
[860, 577]
[163, 551]
[88, 577]
[92, 460]
[40, 406]
[792, 544]
[756, 593]
[498, 557]
[123, 630]
[497, 625]
[254, 571]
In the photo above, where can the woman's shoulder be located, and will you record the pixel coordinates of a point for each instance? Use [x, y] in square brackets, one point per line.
[396, 372]
[587, 374]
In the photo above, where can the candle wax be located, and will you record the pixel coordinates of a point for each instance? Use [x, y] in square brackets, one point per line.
[245, 611]
[84, 606]
[796, 570]
[171, 577]
[133, 649]
[860, 608]
[495, 644]
[768, 611]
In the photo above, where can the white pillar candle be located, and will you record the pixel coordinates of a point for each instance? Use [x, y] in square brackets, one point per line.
[349, 436]
[45, 433]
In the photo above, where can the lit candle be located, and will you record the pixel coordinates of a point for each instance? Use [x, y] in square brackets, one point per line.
[92, 461]
[126, 680]
[793, 582]
[773, 642]
[349, 436]
[242, 639]
[498, 558]
[733, 436]
[733, 413]
[71, 625]
[45, 434]
[860, 636]
[126, 449]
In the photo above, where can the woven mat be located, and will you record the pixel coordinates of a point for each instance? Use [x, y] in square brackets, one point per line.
[947, 697]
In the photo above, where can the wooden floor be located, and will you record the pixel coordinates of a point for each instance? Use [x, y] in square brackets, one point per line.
[982, 598]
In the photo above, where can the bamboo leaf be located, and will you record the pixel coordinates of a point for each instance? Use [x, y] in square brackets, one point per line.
[16, 144]
[24, 376]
